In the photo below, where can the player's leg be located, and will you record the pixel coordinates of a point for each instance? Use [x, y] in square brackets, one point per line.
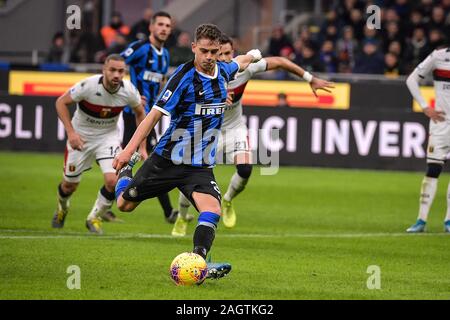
[105, 150]
[242, 159]
[156, 176]
[204, 193]
[427, 194]
[180, 227]
[65, 191]
[124, 179]
[209, 209]
[447, 216]
[103, 203]
[205, 232]
[75, 163]
[170, 214]
[436, 155]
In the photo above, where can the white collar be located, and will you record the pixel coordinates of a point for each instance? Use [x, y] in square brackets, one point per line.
[158, 51]
[216, 71]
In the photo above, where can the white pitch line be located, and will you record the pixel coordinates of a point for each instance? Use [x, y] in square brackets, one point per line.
[45, 235]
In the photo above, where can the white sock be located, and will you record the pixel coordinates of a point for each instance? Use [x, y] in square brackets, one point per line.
[100, 207]
[237, 184]
[183, 205]
[427, 193]
[447, 217]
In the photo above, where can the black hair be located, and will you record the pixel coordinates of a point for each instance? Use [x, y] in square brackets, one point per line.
[224, 39]
[160, 14]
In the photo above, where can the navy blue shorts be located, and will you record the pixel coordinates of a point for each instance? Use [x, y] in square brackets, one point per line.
[159, 175]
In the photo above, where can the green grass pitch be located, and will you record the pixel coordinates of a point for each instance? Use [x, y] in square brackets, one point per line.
[301, 234]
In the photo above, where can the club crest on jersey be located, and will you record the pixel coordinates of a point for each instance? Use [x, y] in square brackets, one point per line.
[210, 109]
[133, 192]
[166, 95]
[105, 112]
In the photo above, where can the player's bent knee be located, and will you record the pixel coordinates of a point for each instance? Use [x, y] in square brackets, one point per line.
[216, 210]
[244, 170]
[434, 170]
[212, 208]
[110, 184]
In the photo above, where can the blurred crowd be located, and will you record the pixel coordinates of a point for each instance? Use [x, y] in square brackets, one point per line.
[87, 47]
[342, 43]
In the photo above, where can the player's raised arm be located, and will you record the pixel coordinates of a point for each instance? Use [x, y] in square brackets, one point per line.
[422, 70]
[244, 61]
[285, 64]
[62, 109]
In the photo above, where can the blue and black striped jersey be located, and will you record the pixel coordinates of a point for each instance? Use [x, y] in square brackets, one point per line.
[196, 103]
[148, 66]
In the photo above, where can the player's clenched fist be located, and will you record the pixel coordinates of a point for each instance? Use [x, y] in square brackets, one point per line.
[76, 141]
[121, 160]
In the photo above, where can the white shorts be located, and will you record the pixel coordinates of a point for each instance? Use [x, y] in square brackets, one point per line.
[438, 142]
[232, 141]
[102, 149]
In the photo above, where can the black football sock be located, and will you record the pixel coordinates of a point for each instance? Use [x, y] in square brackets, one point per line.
[203, 239]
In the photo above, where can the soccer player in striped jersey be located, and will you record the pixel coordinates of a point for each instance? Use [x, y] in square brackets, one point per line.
[234, 133]
[149, 62]
[437, 63]
[183, 158]
[92, 134]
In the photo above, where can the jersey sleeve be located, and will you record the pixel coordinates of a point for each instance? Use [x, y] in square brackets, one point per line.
[231, 68]
[133, 52]
[426, 66]
[79, 91]
[171, 93]
[257, 67]
[134, 98]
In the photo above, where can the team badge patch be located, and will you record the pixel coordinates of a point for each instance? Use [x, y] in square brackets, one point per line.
[133, 192]
[430, 149]
[166, 95]
[128, 52]
[72, 167]
[105, 112]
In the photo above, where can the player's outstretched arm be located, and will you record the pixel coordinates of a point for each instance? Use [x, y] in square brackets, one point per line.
[139, 135]
[285, 64]
[62, 109]
[139, 113]
[244, 60]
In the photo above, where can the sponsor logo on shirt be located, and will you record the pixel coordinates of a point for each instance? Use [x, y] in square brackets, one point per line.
[152, 76]
[210, 109]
